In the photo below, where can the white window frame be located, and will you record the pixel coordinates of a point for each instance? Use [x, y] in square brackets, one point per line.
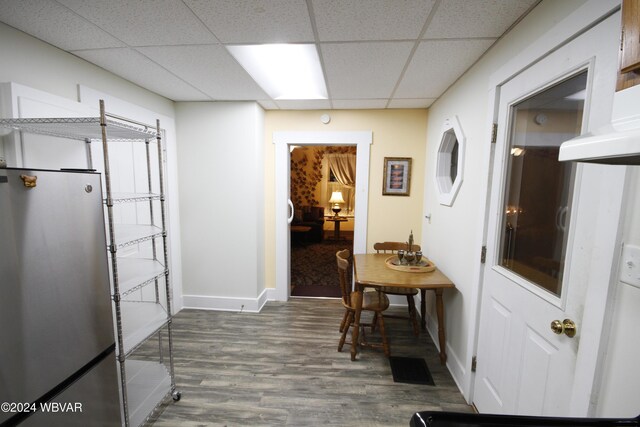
[448, 188]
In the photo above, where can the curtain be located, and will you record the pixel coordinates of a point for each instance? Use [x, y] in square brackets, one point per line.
[343, 167]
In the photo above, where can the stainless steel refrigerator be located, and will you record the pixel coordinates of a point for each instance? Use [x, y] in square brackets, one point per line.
[57, 347]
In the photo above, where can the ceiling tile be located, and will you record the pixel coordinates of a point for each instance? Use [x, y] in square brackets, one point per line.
[144, 22]
[255, 21]
[358, 104]
[55, 24]
[364, 70]
[433, 68]
[138, 69]
[411, 103]
[210, 68]
[369, 48]
[477, 18]
[339, 20]
[304, 104]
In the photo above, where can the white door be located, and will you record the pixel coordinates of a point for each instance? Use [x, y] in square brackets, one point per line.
[34, 151]
[540, 236]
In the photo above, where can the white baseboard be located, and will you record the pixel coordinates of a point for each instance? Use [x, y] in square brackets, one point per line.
[454, 365]
[206, 302]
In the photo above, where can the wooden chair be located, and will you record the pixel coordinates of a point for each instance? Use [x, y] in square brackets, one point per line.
[373, 301]
[391, 248]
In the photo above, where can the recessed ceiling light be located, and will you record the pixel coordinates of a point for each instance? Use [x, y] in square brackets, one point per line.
[284, 71]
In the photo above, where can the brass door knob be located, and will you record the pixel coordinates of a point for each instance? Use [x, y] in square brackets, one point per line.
[567, 326]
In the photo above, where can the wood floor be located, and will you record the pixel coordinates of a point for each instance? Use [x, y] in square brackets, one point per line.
[281, 367]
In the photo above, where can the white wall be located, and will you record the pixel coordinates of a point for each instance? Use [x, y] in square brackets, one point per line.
[620, 386]
[38, 65]
[221, 169]
[453, 237]
[31, 62]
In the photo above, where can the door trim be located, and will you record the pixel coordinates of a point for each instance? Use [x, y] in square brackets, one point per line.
[283, 140]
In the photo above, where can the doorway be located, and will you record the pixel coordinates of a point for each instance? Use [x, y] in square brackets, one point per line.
[535, 355]
[322, 192]
[283, 215]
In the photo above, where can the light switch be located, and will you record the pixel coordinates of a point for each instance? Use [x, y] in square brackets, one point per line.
[630, 265]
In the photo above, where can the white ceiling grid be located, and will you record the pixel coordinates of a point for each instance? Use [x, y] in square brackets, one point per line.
[374, 53]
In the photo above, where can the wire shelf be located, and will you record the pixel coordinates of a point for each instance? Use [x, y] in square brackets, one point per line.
[136, 273]
[133, 197]
[83, 128]
[131, 234]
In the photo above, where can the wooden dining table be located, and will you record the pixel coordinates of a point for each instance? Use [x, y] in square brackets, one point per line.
[371, 270]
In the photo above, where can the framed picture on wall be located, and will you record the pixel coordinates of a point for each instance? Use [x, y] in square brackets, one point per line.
[396, 176]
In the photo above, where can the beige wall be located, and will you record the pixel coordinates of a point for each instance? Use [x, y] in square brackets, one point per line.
[396, 133]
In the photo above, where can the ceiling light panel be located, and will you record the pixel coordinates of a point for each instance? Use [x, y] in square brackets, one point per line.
[284, 71]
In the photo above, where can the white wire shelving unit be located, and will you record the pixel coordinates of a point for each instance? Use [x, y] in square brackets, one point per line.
[142, 305]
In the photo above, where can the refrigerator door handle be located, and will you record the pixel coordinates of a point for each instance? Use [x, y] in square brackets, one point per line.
[29, 180]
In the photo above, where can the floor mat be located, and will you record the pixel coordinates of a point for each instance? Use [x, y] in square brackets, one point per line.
[410, 370]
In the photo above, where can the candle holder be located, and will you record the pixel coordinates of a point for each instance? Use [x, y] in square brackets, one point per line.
[410, 261]
[410, 255]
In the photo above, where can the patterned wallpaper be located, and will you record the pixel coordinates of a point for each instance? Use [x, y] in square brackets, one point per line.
[306, 172]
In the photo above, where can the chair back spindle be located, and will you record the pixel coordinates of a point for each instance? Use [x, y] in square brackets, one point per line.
[375, 302]
[409, 293]
[342, 258]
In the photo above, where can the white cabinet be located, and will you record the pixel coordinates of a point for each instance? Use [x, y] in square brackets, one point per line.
[137, 247]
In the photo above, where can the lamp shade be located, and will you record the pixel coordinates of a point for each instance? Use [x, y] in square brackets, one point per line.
[336, 197]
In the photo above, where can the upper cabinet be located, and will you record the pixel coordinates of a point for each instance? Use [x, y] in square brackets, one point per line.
[629, 70]
[630, 44]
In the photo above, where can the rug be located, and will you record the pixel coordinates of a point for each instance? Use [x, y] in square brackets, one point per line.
[410, 370]
[314, 266]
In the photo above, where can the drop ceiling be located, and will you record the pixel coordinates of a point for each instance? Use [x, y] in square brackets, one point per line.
[374, 53]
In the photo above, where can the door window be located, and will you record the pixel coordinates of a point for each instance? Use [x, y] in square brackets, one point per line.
[538, 189]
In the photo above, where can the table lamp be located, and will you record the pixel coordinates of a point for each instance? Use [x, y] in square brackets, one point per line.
[336, 200]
